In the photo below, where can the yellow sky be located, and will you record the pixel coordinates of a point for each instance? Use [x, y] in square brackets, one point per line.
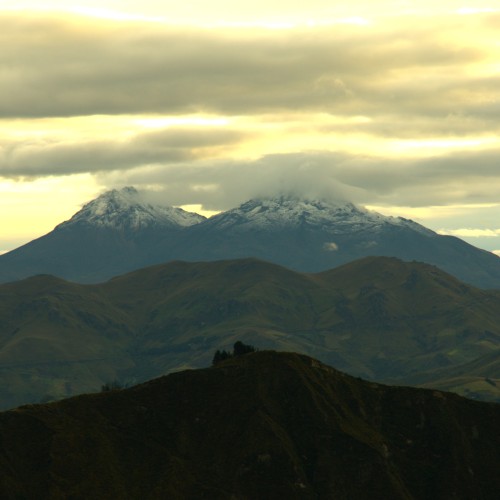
[393, 102]
[279, 11]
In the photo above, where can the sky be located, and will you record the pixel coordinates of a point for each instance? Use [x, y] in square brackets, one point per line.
[393, 105]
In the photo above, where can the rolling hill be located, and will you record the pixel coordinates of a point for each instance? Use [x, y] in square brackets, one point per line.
[264, 425]
[377, 318]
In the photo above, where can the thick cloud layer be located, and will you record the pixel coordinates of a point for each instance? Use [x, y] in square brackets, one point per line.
[36, 158]
[396, 112]
[58, 68]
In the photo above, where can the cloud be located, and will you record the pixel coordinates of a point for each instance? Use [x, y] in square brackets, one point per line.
[475, 10]
[368, 180]
[471, 233]
[41, 157]
[331, 246]
[67, 68]
[194, 164]
[223, 184]
[389, 84]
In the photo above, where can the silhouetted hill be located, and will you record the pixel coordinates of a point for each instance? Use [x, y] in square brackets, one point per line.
[264, 425]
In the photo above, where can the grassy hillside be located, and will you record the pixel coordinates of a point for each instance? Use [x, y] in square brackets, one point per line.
[264, 425]
[378, 318]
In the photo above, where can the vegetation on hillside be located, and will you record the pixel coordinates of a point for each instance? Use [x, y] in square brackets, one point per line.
[379, 318]
[262, 426]
[239, 349]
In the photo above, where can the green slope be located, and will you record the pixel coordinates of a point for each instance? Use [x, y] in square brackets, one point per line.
[58, 338]
[378, 318]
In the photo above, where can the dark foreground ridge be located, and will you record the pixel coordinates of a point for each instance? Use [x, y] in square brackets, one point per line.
[265, 425]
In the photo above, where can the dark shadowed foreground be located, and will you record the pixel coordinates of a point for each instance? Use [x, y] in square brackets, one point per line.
[264, 425]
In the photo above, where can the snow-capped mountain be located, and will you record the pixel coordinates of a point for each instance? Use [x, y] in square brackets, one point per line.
[314, 235]
[288, 212]
[119, 232]
[124, 209]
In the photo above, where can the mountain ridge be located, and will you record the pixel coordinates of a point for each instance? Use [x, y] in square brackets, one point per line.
[378, 318]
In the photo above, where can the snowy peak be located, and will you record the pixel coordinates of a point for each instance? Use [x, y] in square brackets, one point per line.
[127, 209]
[288, 212]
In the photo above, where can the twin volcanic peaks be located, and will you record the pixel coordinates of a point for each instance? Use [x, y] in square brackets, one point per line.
[128, 208]
[124, 230]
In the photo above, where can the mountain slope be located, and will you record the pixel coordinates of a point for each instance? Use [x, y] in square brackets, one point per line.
[379, 318]
[312, 236]
[112, 234]
[265, 425]
[118, 232]
[58, 338]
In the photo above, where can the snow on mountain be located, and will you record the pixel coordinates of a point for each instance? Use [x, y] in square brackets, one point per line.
[125, 209]
[284, 212]
[120, 231]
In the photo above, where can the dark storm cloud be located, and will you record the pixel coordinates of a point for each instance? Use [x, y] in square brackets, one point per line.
[66, 68]
[35, 158]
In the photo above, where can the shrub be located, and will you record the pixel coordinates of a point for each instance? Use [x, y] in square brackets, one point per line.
[112, 386]
[239, 349]
[220, 356]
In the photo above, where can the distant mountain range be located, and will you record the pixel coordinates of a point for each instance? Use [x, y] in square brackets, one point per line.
[264, 425]
[119, 232]
[378, 318]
